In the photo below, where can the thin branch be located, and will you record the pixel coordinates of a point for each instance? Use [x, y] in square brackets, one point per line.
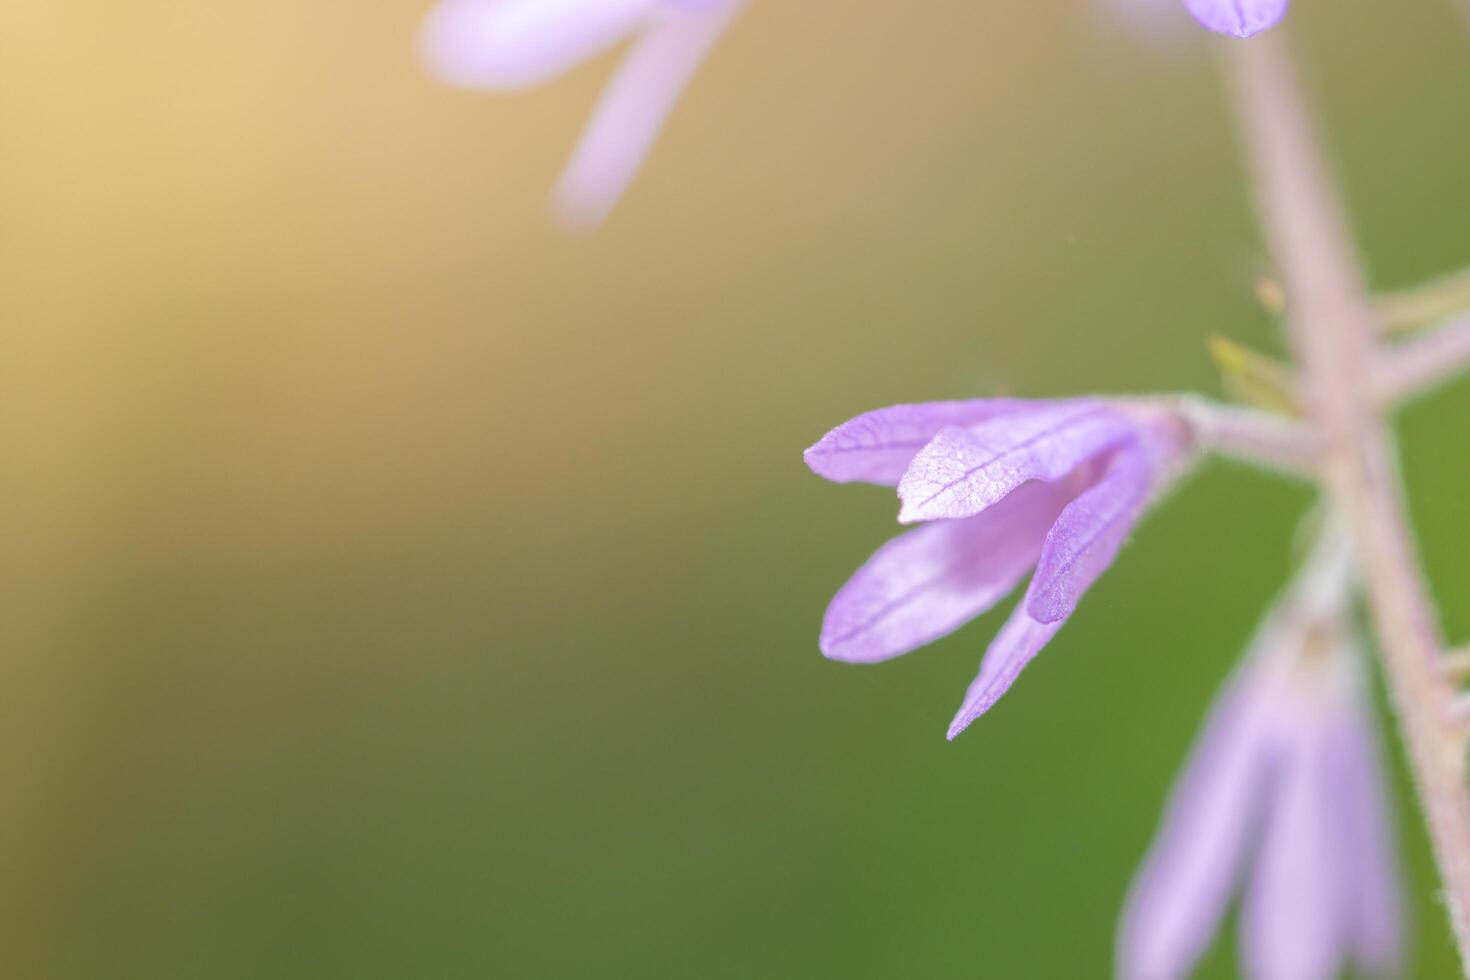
[1409, 309]
[1455, 664]
[1423, 363]
[1249, 435]
[1332, 327]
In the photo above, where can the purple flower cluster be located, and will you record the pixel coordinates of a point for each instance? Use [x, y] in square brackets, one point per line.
[1284, 792]
[1001, 486]
[1285, 783]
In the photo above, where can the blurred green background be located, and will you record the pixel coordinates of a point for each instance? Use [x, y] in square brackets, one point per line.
[397, 587]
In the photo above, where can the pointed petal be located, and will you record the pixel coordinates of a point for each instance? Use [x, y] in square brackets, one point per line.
[515, 43]
[1086, 537]
[1015, 646]
[1291, 922]
[930, 581]
[1179, 896]
[1375, 905]
[1240, 18]
[633, 108]
[877, 446]
[963, 471]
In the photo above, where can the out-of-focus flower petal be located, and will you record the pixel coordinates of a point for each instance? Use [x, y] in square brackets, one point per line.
[516, 43]
[1179, 897]
[1086, 537]
[1015, 646]
[1240, 18]
[1292, 927]
[633, 107]
[930, 581]
[963, 471]
[1375, 899]
[877, 446]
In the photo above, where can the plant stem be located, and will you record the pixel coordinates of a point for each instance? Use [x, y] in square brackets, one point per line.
[1333, 327]
[1250, 435]
[1456, 664]
[1409, 309]
[1424, 361]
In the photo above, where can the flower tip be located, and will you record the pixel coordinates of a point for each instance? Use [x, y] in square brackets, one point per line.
[976, 704]
[1238, 18]
[1235, 30]
[968, 714]
[957, 726]
[908, 511]
[830, 648]
[580, 209]
[463, 44]
[812, 457]
[1051, 606]
[447, 44]
[826, 459]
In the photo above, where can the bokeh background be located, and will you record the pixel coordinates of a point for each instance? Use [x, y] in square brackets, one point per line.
[395, 586]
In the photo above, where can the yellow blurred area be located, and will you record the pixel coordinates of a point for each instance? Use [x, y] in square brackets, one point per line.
[257, 242]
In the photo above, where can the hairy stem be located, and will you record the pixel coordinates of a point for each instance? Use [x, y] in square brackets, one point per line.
[1250, 435]
[1333, 329]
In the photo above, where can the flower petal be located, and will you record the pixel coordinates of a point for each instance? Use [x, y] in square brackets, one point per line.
[877, 446]
[1179, 896]
[1375, 899]
[1291, 922]
[930, 581]
[963, 471]
[1015, 646]
[1086, 537]
[1240, 18]
[633, 107]
[516, 43]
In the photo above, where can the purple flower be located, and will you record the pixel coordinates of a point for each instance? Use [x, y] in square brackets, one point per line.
[512, 44]
[1240, 18]
[1283, 795]
[1004, 486]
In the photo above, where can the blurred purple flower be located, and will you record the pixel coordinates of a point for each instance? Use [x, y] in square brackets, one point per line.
[1239, 18]
[1283, 793]
[512, 44]
[1006, 485]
